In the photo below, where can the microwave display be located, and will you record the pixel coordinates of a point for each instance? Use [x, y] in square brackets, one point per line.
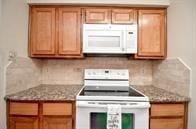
[99, 120]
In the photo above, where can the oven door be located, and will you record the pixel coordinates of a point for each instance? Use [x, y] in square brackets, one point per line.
[93, 114]
[103, 41]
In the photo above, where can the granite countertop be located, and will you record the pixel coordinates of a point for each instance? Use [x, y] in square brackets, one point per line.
[160, 95]
[47, 93]
[69, 92]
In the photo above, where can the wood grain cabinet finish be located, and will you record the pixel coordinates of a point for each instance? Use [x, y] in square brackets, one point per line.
[43, 31]
[69, 31]
[23, 123]
[176, 123]
[168, 116]
[57, 109]
[97, 15]
[40, 115]
[30, 109]
[57, 123]
[55, 32]
[123, 16]
[167, 110]
[152, 34]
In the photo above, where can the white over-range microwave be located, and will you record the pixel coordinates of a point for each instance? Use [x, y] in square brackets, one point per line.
[109, 39]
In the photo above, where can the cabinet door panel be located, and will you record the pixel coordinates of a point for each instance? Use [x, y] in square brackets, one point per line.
[57, 123]
[151, 33]
[43, 31]
[161, 110]
[69, 31]
[123, 16]
[17, 108]
[23, 123]
[98, 15]
[57, 109]
[163, 123]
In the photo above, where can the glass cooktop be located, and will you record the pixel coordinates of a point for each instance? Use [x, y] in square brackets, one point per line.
[130, 93]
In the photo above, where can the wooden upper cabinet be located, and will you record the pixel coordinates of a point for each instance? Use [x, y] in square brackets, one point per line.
[42, 31]
[97, 15]
[55, 32]
[123, 16]
[69, 31]
[152, 34]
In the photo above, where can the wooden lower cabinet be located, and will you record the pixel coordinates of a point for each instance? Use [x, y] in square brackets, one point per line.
[168, 116]
[40, 115]
[23, 123]
[167, 123]
[57, 123]
[61, 115]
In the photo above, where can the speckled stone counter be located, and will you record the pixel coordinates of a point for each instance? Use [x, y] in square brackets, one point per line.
[69, 92]
[160, 95]
[47, 93]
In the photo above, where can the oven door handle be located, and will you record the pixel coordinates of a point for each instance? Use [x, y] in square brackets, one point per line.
[105, 105]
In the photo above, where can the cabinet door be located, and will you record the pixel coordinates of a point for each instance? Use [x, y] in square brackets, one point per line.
[69, 31]
[98, 15]
[57, 123]
[123, 16]
[152, 29]
[23, 123]
[42, 31]
[167, 123]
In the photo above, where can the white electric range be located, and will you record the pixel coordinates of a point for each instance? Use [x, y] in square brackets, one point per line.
[103, 87]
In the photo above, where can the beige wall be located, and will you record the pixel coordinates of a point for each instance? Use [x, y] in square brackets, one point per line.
[2, 86]
[13, 37]
[182, 43]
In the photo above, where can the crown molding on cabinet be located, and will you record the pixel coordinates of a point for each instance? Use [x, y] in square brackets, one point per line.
[156, 3]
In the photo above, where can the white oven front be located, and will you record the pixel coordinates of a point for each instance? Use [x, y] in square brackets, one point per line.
[93, 114]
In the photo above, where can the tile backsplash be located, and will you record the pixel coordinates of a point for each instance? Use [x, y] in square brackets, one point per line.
[170, 74]
[23, 73]
[71, 71]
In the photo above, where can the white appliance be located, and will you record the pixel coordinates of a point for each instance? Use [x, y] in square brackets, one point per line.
[103, 87]
[109, 38]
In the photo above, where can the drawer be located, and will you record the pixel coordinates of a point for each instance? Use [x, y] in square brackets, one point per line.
[23, 108]
[57, 109]
[176, 123]
[167, 110]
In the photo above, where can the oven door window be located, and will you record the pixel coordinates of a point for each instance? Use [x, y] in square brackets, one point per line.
[99, 121]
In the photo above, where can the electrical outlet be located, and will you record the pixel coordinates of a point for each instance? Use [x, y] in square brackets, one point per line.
[12, 55]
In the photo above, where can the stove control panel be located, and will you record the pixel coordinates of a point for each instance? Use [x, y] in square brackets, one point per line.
[113, 74]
